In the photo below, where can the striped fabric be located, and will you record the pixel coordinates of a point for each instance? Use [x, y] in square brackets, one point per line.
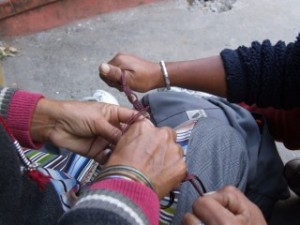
[71, 172]
[183, 135]
[64, 185]
[5, 97]
[68, 172]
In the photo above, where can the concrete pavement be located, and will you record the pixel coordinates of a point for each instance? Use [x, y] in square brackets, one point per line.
[63, 62]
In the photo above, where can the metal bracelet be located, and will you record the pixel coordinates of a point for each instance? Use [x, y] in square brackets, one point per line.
[122, 177]
[165, 74]
[127, 171]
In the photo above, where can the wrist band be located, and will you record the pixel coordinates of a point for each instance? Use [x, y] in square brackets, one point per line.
[165, 74]
[125, 172]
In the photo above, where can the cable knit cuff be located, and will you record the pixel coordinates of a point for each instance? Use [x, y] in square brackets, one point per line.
[20, 112]
[140, 194]
[234, 76]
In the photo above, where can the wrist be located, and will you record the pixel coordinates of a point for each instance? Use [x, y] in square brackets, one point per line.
[125, 173]
[162, 77]
[43, 119]
[165, 74]
[157, 78]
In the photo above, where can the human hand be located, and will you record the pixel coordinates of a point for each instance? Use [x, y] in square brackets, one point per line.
[154, 152]
[82, 127]
[141, 75]
[226, 206]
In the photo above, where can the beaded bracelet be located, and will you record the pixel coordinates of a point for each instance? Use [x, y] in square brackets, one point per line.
[122, 171]
[165, 74]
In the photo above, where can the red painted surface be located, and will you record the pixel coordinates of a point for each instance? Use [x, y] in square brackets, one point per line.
[6, 9]
[35, 18]
[13, 7]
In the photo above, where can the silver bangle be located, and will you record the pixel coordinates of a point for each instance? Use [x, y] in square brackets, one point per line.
[116, 177]
[165, 74]
[124, 171]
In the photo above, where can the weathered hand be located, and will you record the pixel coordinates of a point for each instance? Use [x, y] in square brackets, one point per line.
[226, 206]
[82, 127]
[154, 152]
[141, 75]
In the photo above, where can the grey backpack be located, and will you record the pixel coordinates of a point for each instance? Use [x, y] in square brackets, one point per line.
[265, 182]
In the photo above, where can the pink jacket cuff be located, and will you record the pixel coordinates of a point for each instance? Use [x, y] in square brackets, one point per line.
[140, 194]
[19, 117]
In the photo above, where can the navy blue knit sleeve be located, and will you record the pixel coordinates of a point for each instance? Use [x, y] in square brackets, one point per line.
[265, 74]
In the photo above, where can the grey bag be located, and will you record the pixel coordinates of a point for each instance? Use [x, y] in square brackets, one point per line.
[265, 182]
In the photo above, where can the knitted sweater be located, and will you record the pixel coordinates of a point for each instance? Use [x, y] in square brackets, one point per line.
[283, 124]
[266, 75]
[106, 202]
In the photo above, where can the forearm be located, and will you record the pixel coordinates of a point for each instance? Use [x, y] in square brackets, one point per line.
[205, 75]
[265, 74]
[43, 119]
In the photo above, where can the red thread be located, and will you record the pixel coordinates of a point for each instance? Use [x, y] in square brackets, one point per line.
[192, 178]
[132, 97]
[34, 174]
[134, 100]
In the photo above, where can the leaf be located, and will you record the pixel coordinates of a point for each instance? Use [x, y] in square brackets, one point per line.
[7, 51]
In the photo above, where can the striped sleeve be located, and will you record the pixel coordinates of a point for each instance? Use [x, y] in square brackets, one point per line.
[115, 201]
[17, 108]
[6, 95]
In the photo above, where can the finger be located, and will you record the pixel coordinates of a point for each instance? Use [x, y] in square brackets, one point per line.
[142, 118]
[104, 68]
[235, 201]
[210, 211]
[125, 115]
[210, 193]
[239, 205]
[97, 146]
[190, 219]
[112, 84]
[110, 72]
[109, 132]
[171, 131]
[231, 198]
[103, 156]
[143, 122]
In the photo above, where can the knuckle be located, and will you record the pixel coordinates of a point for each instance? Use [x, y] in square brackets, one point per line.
[168, 131]
[179, 150]
[183, 168]
[119, 54]
[229, 189]
[116, 72]
[164, 133]
[119, 58]
[116, 135]
[199, 201]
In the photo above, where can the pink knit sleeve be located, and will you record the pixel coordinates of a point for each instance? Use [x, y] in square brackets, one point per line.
[141, 195]
[20, 112]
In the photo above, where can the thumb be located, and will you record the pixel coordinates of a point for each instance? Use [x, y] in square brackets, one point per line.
[110, 72]
[104, 68]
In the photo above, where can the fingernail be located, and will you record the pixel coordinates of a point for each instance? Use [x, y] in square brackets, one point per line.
[105, 68]
[210, 193]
